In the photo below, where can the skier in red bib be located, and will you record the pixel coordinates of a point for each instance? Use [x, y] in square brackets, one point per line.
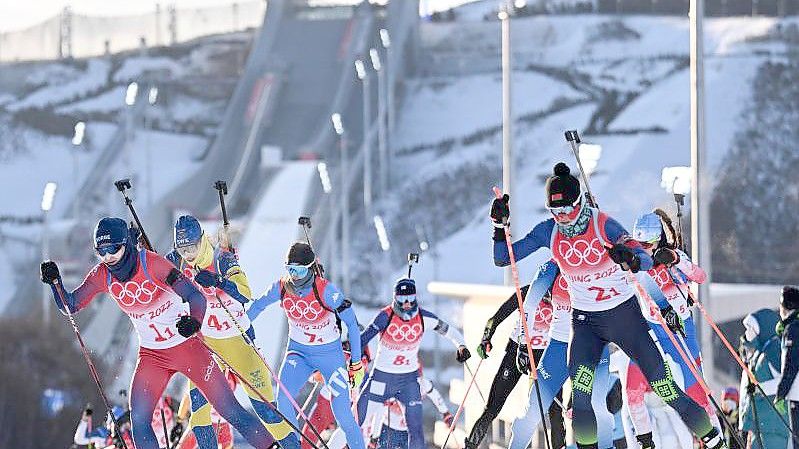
[595, 255]
[167, 311]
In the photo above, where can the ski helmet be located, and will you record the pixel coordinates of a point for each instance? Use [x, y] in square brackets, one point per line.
[110, 234]
[790, 297]
[405, 304]
[562, 188]
[187, 231]
[648, 228]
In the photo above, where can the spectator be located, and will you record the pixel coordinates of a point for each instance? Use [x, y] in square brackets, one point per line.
[755, 414]
[788, 330]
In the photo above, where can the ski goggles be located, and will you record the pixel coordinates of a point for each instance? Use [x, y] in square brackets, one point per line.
[111, 248]
[405, 299]
[298, 271]
[189, 251]
[564, 209]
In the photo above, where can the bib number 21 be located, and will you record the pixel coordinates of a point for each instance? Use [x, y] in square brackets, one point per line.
[603, 294]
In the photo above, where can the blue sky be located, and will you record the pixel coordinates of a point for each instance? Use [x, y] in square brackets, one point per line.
[18, 14]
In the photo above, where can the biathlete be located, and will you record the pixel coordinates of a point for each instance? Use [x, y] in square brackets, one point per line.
[217, 274]
[514, 364]
[167, 311]
[657, 237]
[593, 251]
[400, 327]
[314, 307]
[552, 365]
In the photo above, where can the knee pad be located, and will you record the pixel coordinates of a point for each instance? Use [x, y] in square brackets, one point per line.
[665, 388]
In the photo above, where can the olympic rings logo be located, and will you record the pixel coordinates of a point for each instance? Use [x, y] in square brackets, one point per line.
[543, 316]
[301, 310]
[581, 252]
[662, 278]
[562, 284]
[132, 292]
[404, 332]
[207, 291]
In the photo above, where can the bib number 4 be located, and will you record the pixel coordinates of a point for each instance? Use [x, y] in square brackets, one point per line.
[603, 294]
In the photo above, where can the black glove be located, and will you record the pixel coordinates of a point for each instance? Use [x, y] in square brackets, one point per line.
[666, 256]
[522, 360]
[188, 326]
[49, 272]
[500, 210]
[208, 279]
[673, 320]
[463, 354]
[176, 433]
[625, 256]
[750, 388]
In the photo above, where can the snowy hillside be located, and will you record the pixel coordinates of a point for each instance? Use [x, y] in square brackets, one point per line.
[157, 145]
[623, 82]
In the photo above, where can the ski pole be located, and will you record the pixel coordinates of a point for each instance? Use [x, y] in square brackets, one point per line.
[305, 222]
[475, 385]
[260, 396]
[280, 384]
[723, 418]
[89, 363]
[751, 395]
[163, 423]
[463, 402]
[522, 318]
[735, 355]
[221, 188]
[689, 362]
[122, 185]
[412, 258]
[574, 139]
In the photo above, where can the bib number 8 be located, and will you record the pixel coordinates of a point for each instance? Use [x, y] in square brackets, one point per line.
[401, 360]
[603, 294]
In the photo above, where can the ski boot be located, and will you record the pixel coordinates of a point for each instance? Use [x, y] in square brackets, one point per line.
[714, 440]
[645, 441]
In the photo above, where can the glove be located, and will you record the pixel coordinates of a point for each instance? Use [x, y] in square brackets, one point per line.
[356, 372]
[500, 210]
[522, 360]
[188, 326]
[447, 418]
[49, 272]
[779, 403]
[463, 354]
[666, 256]
[673, 320]
[484, 348]
[625, 256]
[750, 388]
[208, 279]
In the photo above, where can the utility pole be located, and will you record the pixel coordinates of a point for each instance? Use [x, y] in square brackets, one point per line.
[700, 210]
[507, 114]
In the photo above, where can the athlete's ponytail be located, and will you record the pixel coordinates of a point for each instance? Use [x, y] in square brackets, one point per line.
[670, 237]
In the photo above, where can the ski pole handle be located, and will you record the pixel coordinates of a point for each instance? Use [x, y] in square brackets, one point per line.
[221, 187]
